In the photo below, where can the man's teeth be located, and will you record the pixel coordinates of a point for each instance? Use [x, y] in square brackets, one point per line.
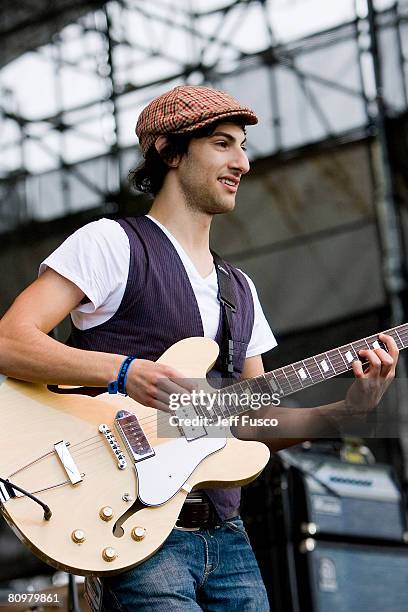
[228, 182]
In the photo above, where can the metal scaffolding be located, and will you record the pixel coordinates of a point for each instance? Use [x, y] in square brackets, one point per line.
[67, 139]
[107, 64]
[333, 107]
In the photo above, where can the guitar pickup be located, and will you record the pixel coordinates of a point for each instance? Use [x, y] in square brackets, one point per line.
[133, 436]
[61, 448]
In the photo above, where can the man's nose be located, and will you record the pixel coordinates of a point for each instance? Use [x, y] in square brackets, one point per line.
[240, 162]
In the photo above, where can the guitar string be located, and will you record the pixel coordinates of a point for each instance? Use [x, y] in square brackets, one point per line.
[318, 377]
[97, 441]
[158, 418]
[88, 474]
[94, 443]
[152, 418]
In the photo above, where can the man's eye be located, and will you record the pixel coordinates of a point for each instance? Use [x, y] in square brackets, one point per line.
[243, 147]
[222, 143]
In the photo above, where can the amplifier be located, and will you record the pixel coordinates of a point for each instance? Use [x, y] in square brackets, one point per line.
[352, 577]
[347, 500]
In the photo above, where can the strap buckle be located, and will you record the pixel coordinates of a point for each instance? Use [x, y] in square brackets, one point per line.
[228, 304]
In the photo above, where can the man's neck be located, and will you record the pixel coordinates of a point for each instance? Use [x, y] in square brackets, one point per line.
[191, 228]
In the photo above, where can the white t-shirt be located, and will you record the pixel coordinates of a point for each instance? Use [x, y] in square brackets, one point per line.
[96, 259]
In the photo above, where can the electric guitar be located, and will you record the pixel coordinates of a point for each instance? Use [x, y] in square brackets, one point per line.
[115, 473]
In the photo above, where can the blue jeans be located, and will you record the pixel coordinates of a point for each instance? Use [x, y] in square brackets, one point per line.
[211, 569]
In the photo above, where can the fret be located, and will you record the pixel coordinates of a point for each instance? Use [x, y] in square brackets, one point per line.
[235, 407]
[343, 358]
[255, 384]
[273, 383]
[309, 371]
[403, 334]
[397, 338]
[260, 388]
[303, 374]
[318, 366]
[251, 386]
[247, 391]
[329, 360]
[337, 362]
[324, 366]
[234, 393]
[314, 370]
[223, 402]
[314, 366]
[359, 345]
[242, 406]
[287, 379]
[264, 385]
[233, 399]
[366, 341]
[226, 401]
[372, 342]
[297, 378]
[404, 339]
[349, 355]
[292, 378]
[283, 382]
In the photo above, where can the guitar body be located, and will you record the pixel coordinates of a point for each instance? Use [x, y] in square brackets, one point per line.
[96, 504]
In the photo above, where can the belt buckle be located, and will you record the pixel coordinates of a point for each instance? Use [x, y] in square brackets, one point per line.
[189, 504]
[187, 528]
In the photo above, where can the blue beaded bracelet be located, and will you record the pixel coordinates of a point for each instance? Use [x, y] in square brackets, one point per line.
[119, 385]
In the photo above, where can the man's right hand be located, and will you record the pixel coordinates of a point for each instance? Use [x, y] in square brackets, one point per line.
[151, 383]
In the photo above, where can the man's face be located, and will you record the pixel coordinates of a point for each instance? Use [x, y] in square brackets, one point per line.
[210, 172]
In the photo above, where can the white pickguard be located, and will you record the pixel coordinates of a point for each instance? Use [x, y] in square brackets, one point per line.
[161, 476]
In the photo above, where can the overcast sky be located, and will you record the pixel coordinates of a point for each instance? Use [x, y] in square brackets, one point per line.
[31, 78]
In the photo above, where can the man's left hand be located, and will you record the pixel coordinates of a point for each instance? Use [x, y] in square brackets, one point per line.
[372, 382]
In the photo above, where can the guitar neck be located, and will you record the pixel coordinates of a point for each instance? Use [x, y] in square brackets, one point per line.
[313, 370]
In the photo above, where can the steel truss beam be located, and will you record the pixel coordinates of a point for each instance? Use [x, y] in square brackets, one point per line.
[109, 25]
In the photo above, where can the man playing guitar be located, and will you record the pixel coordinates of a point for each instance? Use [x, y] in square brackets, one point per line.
[136, 286]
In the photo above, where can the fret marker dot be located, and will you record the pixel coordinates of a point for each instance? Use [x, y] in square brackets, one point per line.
[302, 374]
[324, 365]
[349, 356]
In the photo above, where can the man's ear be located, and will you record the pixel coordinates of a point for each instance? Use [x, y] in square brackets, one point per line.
[160, 144]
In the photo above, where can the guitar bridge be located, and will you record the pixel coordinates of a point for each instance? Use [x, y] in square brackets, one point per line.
[61, 448]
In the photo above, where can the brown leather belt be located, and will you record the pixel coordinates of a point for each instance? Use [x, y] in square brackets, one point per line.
[198, 512]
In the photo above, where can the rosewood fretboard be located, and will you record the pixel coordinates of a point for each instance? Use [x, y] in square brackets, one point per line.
[307, 372]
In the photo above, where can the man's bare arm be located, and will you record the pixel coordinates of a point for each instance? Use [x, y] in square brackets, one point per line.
[302, 424]
[28, 353]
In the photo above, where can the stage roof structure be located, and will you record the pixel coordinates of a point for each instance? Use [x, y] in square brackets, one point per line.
[69, 106]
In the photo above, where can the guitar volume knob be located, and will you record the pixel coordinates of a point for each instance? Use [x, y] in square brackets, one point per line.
[109, 554]
[78, 536]
[138, 533]
[106, 513]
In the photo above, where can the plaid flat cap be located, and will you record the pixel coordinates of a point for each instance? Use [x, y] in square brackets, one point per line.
[186, 108]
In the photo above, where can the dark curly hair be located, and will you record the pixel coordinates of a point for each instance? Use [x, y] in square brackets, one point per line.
[149, 176]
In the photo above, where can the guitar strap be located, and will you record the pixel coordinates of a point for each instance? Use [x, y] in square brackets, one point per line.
[226, 297]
